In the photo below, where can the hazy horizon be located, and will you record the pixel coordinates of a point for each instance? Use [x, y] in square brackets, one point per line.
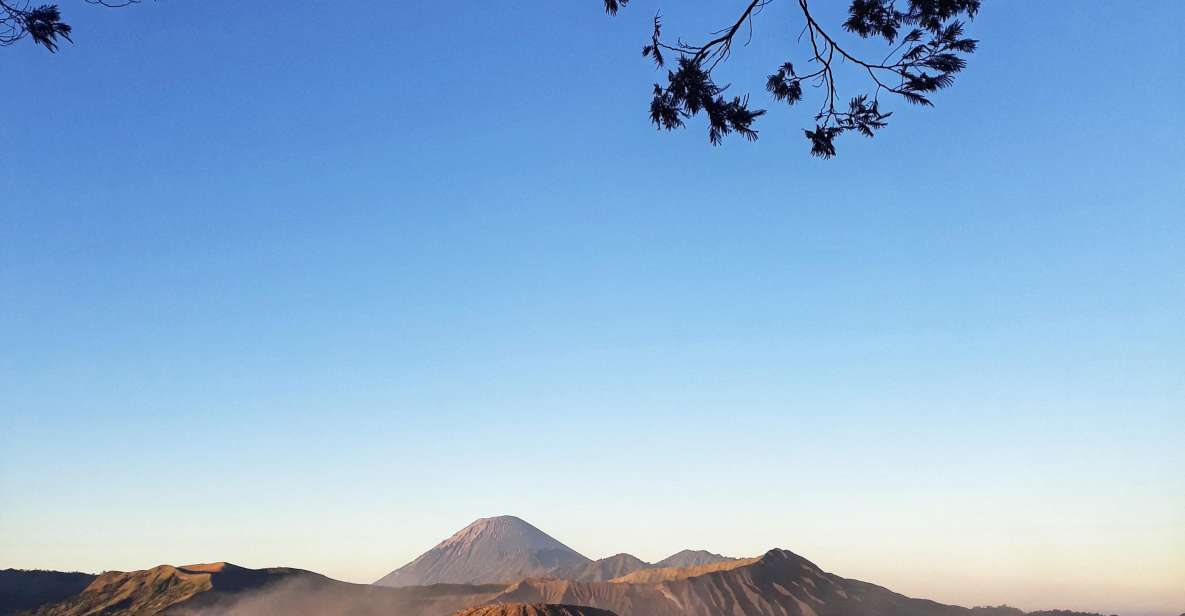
[284, 294]
[880, 564]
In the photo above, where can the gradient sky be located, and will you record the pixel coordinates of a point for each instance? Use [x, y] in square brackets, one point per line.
[287, 283]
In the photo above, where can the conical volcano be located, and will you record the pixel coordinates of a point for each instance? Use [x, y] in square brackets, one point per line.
[498, 549]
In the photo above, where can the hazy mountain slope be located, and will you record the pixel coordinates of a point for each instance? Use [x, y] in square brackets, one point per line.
[533, 609]
[609, 568]
[779, 583]
[691, 558]
[506, 549]
[622, 599]
[499, 549]
[161, 589]
[321, 596]
[653, 575]
[26, 589]
[226, 590]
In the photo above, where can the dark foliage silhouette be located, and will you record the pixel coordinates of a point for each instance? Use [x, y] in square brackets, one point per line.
[41, 23]
[927, 48]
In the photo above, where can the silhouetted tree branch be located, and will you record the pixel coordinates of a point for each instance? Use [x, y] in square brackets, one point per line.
[921, 61]
[41, 23]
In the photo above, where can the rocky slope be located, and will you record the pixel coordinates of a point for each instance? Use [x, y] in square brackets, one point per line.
[780, 583]
[222, 589]
[532, 609]
[160, 589]
[133, 593]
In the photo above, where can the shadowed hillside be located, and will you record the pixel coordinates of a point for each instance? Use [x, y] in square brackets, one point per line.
[24, 590]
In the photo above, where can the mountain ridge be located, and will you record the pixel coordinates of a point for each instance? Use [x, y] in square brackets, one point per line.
[507, 548]
[778, 583]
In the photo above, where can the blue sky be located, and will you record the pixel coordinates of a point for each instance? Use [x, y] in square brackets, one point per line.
[292, 284]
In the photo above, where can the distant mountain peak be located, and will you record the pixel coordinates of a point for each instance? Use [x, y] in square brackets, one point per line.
[609, 568]
[692, 558]
[506, 548]
[510, 532]
[496, 549]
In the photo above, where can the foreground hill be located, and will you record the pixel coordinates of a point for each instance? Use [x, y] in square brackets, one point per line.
[152, 591]
[499, 549]
[533, 609]
[24, 590]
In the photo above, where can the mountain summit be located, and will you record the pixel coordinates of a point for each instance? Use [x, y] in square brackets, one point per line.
[498, 549]
[692, 558]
